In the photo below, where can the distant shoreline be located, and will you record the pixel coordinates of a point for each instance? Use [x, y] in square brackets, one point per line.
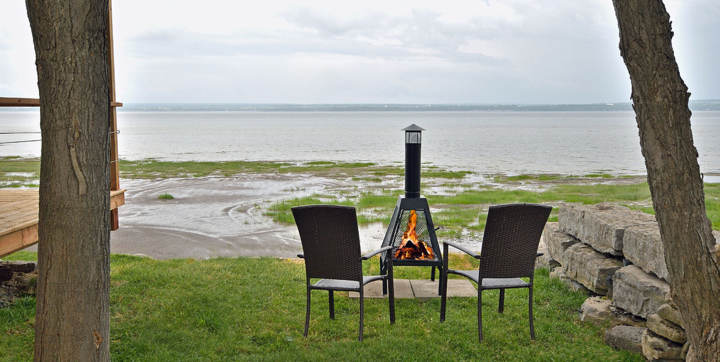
[696, 105]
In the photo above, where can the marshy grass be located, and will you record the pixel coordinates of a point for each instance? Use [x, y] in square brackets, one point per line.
[166, 197]
[150, 169]
[465, 211]
[19, 172]
[253, 309]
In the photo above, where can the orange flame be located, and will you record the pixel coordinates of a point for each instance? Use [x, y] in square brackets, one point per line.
[410, 247]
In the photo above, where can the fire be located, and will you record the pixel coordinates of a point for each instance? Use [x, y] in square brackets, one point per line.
[411, 247]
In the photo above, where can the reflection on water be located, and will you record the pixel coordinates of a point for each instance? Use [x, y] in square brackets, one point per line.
[489, 142]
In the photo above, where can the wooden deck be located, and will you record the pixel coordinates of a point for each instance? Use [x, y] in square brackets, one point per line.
[19, 217]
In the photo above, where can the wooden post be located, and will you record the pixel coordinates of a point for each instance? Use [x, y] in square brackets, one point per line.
[114, 165]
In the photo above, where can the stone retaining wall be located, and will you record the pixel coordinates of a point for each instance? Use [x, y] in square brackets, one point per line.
[616, 254]
[16, 279]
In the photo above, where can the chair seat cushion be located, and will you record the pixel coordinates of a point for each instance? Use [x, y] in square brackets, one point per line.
[339, 284]
[494, 283]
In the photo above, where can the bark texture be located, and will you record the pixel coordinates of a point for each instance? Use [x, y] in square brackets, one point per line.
[660, 99]
[71, 48]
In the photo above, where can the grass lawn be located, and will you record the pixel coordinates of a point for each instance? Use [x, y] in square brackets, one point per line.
[253, 309]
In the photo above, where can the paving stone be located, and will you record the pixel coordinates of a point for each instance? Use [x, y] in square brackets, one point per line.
[590, 268]
[456, 288]
[422, 289]
[402, 289]
[601, 225]
[628, 338]
[638, 292]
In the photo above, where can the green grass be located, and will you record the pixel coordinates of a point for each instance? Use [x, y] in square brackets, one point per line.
[253, 309]
[166, 197]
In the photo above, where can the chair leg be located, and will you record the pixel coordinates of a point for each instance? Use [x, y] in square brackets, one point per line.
[391, 299]
[530, 312]
[432, 274]
[501, 304]
[479, 307]
[307, 313]
[440, 283]
[443, 294]
[362, 313]
[331, 301]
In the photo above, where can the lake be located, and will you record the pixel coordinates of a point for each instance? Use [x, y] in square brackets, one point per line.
[484, 141]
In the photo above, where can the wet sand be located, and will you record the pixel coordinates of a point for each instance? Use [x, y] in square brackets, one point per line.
[216, 217]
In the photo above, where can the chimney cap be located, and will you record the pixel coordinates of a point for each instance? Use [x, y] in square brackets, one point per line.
[413, 128]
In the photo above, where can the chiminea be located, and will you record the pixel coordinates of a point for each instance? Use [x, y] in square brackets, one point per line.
[411, 232]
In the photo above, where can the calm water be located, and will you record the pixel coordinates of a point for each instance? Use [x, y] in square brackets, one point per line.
[489, 142]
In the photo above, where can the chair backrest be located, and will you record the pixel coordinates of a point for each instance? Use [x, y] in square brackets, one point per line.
[510, 242]
[330, 241]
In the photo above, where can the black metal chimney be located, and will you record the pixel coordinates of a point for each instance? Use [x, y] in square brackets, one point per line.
[413, 136]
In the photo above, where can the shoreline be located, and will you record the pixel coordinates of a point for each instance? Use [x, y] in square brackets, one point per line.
[206, 210]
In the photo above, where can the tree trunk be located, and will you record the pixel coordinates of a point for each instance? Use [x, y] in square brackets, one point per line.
[660, 99]
[71, 46]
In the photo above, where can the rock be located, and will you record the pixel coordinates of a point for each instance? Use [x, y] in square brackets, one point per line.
[669, 312]
[685, 350]
[622, 317]
[24, 283]
[655, 347]
[643, 247]
[637, 292]
[590, 268]
[596, 310]
[557, 242]
[5, 275]
[666, 329]
[601, 226]
[627, 338]
[558, 273]
[543, 261]
[17, 266]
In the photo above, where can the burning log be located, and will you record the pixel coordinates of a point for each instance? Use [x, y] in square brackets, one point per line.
[410, 247]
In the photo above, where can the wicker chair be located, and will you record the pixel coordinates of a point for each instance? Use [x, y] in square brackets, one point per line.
[331, 249]
[508, 253]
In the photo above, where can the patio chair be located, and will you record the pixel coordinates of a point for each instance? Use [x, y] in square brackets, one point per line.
[331, 250]
[509, 249]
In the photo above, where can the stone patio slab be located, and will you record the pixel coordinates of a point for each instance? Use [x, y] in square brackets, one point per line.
[422, 289]
[403, 290]
[425, 289]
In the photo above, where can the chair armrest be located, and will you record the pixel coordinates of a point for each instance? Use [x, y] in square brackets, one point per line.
[301, 256]
[463, 249]
[375, 252]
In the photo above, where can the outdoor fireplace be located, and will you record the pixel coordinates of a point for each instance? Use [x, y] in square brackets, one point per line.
[411, 232]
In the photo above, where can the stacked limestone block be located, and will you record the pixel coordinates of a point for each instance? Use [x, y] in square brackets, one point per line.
[616, 254]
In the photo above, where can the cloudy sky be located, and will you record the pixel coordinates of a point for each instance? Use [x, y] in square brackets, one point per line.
[504, 51]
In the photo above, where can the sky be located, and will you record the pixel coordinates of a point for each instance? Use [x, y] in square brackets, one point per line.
[418, 51]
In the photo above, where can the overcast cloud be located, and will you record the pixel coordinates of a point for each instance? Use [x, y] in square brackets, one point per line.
[509, 51]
